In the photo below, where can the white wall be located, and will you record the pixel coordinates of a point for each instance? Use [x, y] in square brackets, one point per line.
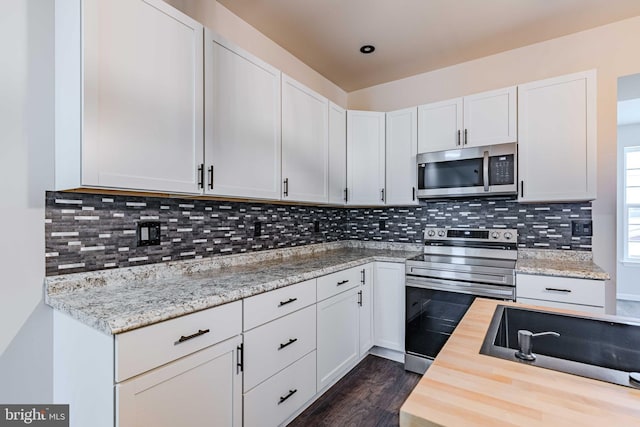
[218, 18]
[26, 171]
[628, 284]
[611, 49]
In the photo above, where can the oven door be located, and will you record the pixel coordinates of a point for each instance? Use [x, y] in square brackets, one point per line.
[433, 310]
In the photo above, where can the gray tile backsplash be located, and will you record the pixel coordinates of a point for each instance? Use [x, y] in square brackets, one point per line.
[86, 232]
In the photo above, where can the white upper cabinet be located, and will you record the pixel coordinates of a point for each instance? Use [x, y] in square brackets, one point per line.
[490, 118]
[557, 139]
[482, 119]
[337, 154]
[305, 143]
[401, 150]
[129, 96]
[242, 122]
[440, 126]
[365, 158]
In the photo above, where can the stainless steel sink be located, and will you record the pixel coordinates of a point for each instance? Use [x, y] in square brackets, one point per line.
[589, 347]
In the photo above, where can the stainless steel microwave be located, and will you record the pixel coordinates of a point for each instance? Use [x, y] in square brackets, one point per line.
[473, 171]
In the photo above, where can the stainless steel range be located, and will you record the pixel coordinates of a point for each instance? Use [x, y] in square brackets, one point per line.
[458, 265]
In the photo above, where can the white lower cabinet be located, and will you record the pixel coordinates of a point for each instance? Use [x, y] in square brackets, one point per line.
[203, 389]
[272, 347]
[365, 303]
[389, 306]
[338, 336]
[561, 292]
[278, 398]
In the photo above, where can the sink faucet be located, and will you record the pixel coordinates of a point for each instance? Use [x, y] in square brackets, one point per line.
[526, 346]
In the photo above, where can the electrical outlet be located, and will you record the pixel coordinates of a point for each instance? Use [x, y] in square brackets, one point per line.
[257, 229]
[316, 226]
[382, 224]
[148, 233]
[583, 228]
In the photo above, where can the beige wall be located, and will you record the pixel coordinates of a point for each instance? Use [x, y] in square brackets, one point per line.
[218, 18]
[26, 171]
[612, 50]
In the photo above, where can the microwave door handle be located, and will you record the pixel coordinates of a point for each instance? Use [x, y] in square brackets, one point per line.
[485, 171]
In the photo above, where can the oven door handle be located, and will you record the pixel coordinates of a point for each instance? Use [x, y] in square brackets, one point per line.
[501, 292]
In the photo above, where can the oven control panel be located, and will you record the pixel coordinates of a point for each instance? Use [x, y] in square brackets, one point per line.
[503, 235]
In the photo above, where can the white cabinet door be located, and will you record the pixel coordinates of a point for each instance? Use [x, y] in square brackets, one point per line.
[365, 157]
[203, 389]
[365, 301]
[242, 123]
[389, 305]
[338, 330]
[490, 118]
[557, 139]
[142, 103]
[401, 150]
[337, 154]
[305, 143]
[440, 126]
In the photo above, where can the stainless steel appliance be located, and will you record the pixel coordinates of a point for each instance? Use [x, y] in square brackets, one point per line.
[473, 171]
[458, 265]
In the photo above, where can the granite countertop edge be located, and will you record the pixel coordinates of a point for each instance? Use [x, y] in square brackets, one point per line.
[120, 324]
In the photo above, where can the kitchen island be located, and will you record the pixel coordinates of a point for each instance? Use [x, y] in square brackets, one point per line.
[463, 388]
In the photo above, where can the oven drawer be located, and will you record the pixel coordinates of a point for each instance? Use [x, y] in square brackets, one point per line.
[561, 289]
[476, 289]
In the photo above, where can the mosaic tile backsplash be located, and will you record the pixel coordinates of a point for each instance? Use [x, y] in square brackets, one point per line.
[86, 232]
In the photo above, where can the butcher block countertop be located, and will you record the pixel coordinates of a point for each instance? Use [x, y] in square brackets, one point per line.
[465, 388]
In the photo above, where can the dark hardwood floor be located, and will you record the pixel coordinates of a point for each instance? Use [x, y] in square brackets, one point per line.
[370, 395]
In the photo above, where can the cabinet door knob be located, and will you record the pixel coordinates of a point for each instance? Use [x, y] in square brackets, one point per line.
[458, 142]
[465, 137]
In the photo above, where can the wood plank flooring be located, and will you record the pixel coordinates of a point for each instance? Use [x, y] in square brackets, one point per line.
[370, 395]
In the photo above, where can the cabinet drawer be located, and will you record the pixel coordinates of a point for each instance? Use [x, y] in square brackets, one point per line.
[146, 348]
[337, 282]
[563, 305]
[270, 305]
[278, 398]
[273, 346]
[560, 289]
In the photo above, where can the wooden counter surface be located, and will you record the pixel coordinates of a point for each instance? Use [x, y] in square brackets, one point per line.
[465, 388]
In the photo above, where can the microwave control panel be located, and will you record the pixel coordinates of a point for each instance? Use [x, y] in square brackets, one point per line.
[502, 170]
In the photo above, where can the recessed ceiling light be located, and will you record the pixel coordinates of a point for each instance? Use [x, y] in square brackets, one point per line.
[366, 49]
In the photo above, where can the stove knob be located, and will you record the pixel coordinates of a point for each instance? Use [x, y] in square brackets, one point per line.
[495, 235]
[440, 233]
[431, 233]
[508, 235]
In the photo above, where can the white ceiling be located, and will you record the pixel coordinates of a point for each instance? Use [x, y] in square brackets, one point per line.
[415, 36]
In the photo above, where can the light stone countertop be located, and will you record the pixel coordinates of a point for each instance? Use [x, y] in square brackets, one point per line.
[120, 300]
[545, 262]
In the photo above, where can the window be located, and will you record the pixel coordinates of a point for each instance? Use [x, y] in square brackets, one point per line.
[632, 203]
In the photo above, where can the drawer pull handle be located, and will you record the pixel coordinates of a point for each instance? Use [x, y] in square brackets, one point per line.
[289, 301]
[558, 290]
[287, 344]
[188, 337]
[342, 282]
[291, 393]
